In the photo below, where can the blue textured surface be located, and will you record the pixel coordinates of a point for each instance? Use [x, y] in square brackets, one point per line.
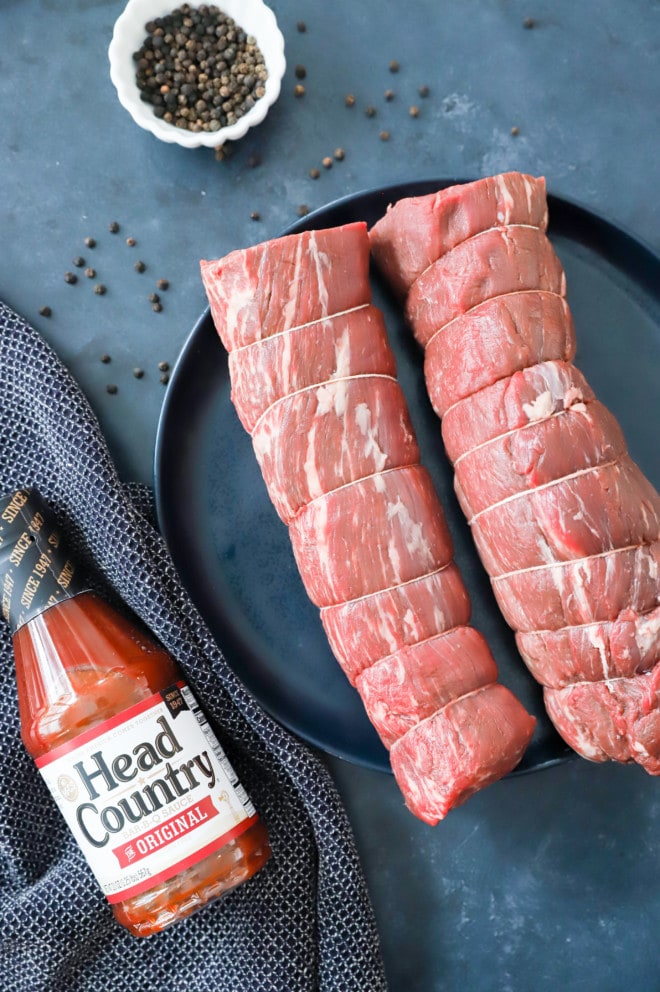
[546, 881]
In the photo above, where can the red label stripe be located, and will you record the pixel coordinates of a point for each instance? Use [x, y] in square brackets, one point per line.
[101, 728]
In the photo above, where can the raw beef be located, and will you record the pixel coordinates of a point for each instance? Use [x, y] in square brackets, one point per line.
[313, 381]
[566, 524]
[415, 232]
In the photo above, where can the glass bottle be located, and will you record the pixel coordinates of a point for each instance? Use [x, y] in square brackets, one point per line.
[118, 736]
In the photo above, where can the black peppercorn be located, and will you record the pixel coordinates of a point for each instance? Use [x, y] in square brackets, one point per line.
[370, 111]
[105, 359]
[45, 312]
[300, 71]
[423, 91]
[70, 277]
[138, 373]
[314, 173]
[157, 307]
[90, 273]
[111, 388]
[139, 266]
[113, 227]
[79, 261]
[394, 66]
[164, 366]
[99, 289]
[339, 154]
[302, 27]
[163, 284]
[303, 210]
[90, 242]
[199, 70]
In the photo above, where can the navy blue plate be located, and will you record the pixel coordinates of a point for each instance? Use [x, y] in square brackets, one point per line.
[233, 552]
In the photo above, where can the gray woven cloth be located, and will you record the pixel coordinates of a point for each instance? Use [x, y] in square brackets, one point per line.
[305, 921]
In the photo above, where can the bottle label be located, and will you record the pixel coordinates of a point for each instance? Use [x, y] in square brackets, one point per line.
[36, 571]
[147, 793]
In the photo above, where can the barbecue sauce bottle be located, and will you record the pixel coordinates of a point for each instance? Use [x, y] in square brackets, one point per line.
[119, 738]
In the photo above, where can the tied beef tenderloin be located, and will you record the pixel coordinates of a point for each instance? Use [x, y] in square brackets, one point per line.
[566, 524]
[313, 381]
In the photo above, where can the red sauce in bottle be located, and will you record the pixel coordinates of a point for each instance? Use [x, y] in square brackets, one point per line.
[83, 671]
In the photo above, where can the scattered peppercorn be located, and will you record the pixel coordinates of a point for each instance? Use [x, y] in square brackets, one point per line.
[384, 135]
[70, 277]
[131, 242]
[370, 111]
[154, 298]
[165, 378]
[300, 71]
[529, 23]
[113, 227]
[45, 312]
[339, 154]
[303, 210]
[389, 95]
[327, 162]
[79, 261]
[139, 266]
[199, 70]
[515, 131]
[423, 91]
[156, 307]
[99, 289]
[349, 100]
[253, 161]
[255, 215]
[164, 366]
[138, 373]
[163, 284]
[90, 242]
[314, 173]
[90, 273]
[111, 388]
[299, 90]
[394, 66]
[105, 359]
[414, 111]
[302, 27]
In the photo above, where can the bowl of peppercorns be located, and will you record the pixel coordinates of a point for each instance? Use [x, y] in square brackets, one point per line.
[197, 74]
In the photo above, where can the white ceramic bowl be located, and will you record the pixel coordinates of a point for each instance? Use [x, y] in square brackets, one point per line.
[129, 33]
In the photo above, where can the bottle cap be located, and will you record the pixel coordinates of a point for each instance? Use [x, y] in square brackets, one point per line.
[36, 570]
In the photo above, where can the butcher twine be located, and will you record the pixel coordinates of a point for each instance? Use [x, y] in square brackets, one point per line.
[305, 921]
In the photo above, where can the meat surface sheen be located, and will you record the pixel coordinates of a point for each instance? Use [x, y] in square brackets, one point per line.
[500, 260]
[406, 687]
[617, 719]
[416, 231]
[611, 506]
[566, 524]
[371, 627]
[353, 343]
[344, 430]
[466, 746]
[287, 282]
[544, 450]
[532, 394]
[313, 381]
[595, 652]
[494, 340]
[563, 593]
[371, 535]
